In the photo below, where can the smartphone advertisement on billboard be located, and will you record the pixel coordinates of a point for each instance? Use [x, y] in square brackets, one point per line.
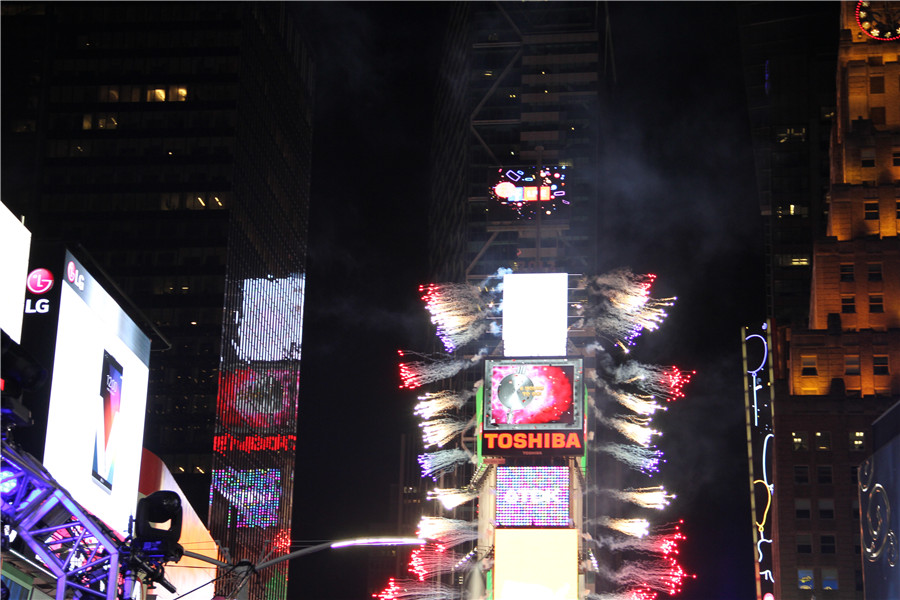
[94, 405]
[533, 407]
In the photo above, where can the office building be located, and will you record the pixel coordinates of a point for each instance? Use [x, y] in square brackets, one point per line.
[831, 367]
[170, 142]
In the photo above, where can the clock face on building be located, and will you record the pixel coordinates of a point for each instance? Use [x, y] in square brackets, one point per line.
[879, 20]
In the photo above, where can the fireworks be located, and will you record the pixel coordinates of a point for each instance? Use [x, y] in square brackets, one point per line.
[664, 382]
[647, 497]
[432, 404]
[458, 311]
[449, 532]
[441, 431]
[660, 574]
[634, 527]
[420, 372]
[635, 428]
[434, 464]
[644, 460]
[414, 590]
[430, 560]
[620, 305]
[450, 498]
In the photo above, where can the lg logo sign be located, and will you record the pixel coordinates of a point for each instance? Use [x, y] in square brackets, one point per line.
[39, 281]
[74, 277]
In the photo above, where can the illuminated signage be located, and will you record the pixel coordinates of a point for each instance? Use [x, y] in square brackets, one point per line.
[533, 407]
[535, 314]
[535, 563]
[256, 399]
[255, 443]
[524, 193]
[96, 400]
[254, 494]
[532, 496]
[15, 246]
[758, 398]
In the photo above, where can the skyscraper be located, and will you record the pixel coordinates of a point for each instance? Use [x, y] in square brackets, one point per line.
[171, 141]
[832, 368]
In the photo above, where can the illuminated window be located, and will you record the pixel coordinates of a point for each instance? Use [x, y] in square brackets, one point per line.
[826, 508]
[800, 440]
[857, 442]
[871, 211]
[874, 271]
[802, 509]
[808, 366]
[108, 93]
[829, 578]
[804, 543]
[848, 305]
[847, 272]
[177, 93]
[801, 474]
[87, 121]
[851, 364]
[827, 544]
[876, 303]
[156, 94]
[823, 441]
[824, 475]
[805, 579]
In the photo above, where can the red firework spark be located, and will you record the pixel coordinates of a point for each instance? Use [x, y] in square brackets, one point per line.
[423, 557]
[391, 592]
[676, 380]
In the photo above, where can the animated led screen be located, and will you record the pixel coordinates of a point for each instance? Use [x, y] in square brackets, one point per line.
[532, 496]
[98, 396]
[15, 245]
[254, 493]
[524, 193]
[536, 563]
[533, 406]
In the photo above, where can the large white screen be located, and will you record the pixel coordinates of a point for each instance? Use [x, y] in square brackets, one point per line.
[536, 564]
[535, 314]
[98, 397]
[15, 243]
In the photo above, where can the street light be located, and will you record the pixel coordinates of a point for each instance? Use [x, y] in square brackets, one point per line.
[244, 569]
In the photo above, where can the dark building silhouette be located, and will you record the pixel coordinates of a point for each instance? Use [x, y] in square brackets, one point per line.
[171, 141]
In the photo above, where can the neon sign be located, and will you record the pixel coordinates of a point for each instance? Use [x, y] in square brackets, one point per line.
[758, 404]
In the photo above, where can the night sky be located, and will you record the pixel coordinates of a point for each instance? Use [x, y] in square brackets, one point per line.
[678, 171]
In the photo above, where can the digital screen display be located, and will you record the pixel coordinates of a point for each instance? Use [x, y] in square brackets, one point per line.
[533, 406]
[98, 397]
[532, 497]
[15, 246]
[536, 563]
[525, 193]
[254, 494]
[535, 314]
[271, 319]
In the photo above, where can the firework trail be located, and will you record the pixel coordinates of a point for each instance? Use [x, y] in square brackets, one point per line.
[410, 589]
[458, 310]
[662, 574]
[434, 464]
[638, 528]
[662, 541]
[642, 404]
[663, 382]
[420, 372]
[430, 560]
[440, 431]
[635, 428]
[450, 498]
[637, 594]
[647, 497]
[449, 532]
[643, 460]
[432, 404]
[620, 306]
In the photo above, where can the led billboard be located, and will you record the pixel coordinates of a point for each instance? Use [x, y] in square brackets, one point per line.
[535, 314]
[536, 496]
[538, 564]
[533, 406]
[99, 363]
[525, 193]
[15, 245]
